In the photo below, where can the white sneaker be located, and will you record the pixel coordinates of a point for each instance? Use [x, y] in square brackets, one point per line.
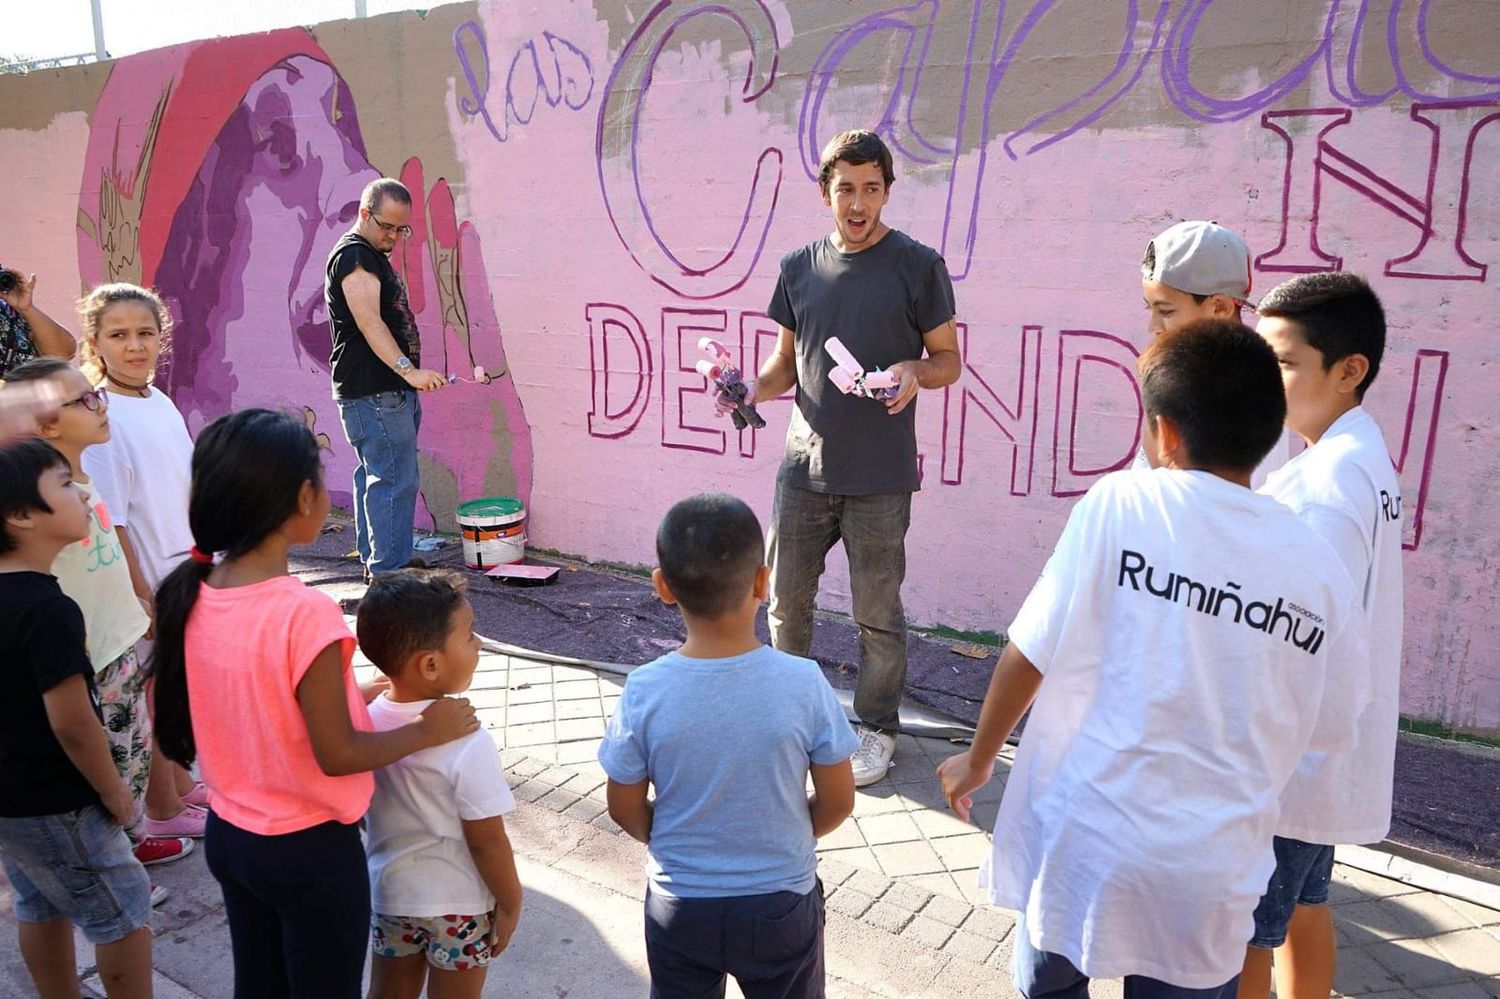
[873, 758]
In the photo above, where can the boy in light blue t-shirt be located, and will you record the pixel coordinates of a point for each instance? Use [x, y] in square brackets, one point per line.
[728, 730]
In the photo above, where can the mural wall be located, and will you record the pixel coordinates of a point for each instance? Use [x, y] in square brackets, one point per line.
[601, 183]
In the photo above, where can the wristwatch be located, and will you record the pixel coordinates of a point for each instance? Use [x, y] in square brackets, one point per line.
[404, 365]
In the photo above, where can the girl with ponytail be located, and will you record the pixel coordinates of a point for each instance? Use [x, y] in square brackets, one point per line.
[252, 679]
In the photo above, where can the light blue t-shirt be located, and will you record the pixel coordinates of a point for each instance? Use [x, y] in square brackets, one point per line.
[727, 744]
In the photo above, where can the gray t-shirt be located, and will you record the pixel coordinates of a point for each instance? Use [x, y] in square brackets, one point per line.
[879, 302]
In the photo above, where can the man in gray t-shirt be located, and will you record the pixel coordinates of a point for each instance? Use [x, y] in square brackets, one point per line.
[851, 461]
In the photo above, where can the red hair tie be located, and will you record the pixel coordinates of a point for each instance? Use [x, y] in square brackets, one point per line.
[201, 557]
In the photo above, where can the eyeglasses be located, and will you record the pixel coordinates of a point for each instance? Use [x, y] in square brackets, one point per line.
[93, 401]
[400, 230]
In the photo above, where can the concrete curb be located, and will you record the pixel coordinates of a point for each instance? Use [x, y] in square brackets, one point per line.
[1423, 870]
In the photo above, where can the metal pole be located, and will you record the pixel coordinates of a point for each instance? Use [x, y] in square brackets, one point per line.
[359, 7]
[99, 52]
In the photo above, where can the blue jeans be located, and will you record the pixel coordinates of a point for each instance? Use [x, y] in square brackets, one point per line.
[77, 866]
[382, 428]
[1302, 873]
[1043, 975]
[805, 525]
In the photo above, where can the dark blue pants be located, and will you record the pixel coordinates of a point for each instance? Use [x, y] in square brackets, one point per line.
[298, 908]
[771, 944]
[1044, 975]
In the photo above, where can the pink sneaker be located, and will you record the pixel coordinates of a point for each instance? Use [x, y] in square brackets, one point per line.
[188, 822]
[197, 796]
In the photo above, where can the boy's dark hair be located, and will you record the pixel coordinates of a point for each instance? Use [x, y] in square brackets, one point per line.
[1220, 385]
[22, 465]
[378, 192]
[407, 612]
[855, 147]
[249, 468]
[709, 548]
[1339, 316]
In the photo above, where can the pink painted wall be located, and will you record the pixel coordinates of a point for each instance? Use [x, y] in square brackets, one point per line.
[602, 183]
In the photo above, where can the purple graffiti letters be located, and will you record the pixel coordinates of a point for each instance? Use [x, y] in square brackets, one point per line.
[996, 59]
[894, 123]
[617, 150]
[680, 332]
[1414, 467]
[759, 331]
[1094, 399]
[603, 320]
[1016, 421]
[1078, 351]
[567, 79]
[1311, 155]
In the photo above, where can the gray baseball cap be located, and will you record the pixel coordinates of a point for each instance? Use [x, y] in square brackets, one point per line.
[1200, 258]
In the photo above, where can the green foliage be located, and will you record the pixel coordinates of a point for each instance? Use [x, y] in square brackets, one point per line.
[1439, 730]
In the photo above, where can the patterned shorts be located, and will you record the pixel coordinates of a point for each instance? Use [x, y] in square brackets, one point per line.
[451, 943]
[122, 699]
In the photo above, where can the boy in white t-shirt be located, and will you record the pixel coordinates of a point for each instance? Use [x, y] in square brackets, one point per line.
[1199, 270]
[1328, 331]
[1178, 646]
[444, 890]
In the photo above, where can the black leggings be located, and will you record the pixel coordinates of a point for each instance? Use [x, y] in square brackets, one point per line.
[298, 908]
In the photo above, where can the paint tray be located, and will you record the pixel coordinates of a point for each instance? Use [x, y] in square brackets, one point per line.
[524, 575]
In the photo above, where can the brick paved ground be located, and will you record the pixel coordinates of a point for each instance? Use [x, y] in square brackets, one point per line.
[906, 865]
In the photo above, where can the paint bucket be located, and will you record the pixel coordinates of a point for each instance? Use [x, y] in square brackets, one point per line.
[493, 530]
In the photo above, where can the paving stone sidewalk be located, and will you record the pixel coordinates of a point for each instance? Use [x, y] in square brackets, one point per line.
[907, 866]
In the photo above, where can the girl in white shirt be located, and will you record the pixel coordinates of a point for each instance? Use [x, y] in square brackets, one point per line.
[143, 475]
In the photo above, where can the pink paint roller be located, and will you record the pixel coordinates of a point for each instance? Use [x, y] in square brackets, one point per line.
[720, 369]
[850, 377]
[481, 377]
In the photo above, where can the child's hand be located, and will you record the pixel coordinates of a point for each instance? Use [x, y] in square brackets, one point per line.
[374, 688]
[961, 775]
[120, 805]
[502, 928]
[150, 608]
[449, 718]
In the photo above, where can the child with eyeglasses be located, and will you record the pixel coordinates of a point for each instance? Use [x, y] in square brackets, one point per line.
[93, 573]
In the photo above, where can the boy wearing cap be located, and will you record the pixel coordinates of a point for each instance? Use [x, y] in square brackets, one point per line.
[1194, 270]
[1199, 270]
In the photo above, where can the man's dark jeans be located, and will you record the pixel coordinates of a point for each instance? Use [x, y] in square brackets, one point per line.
[805, 525]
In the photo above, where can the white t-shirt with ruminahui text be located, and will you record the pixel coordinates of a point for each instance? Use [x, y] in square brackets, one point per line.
[419, 861]
[1187, 630]
[144, 474]
[1344, 487]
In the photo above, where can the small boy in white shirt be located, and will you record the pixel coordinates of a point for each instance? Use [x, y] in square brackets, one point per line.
[1178, 646]
[1328, 331]
[444, 890]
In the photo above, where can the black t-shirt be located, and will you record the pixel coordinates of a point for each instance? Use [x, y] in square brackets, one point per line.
[357, 372]
[878, 302]
[41, 633]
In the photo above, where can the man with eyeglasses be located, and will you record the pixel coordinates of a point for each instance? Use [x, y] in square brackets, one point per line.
[377, 373]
